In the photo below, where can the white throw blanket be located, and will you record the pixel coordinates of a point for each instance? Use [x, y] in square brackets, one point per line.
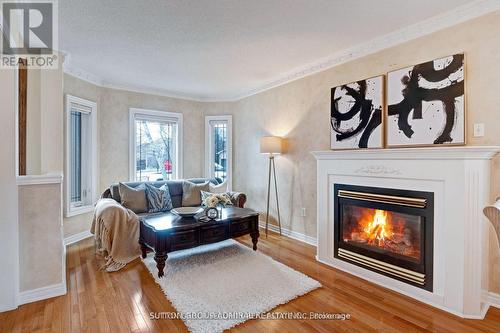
[116, 232]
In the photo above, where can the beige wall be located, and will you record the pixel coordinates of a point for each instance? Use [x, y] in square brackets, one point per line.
[300, 111]
[44, 125]
[40, 205]
[40, 236]
[113, 135]
[51, 120]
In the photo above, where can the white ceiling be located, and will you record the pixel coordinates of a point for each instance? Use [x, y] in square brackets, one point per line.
[224, 49]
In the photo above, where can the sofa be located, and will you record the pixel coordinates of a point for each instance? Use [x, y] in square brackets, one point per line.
[116, 228]
[175, 188]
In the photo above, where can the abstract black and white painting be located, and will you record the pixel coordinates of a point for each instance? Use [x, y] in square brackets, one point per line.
[356, 114]
[426, 103]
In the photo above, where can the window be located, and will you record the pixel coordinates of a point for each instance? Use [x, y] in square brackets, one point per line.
[81, 155]
[218, 148]
[155, 147]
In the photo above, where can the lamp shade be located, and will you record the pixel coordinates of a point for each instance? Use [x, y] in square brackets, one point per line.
[271, 145]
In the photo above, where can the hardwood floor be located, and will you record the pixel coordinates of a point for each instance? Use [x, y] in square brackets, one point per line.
[122, 301]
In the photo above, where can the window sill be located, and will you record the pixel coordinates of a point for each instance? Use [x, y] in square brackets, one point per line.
[79, 210]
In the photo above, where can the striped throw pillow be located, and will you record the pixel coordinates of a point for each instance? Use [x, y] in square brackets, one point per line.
[159, 199]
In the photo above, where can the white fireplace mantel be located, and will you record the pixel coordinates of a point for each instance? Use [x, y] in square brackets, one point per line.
[459, 177]
[430, 153]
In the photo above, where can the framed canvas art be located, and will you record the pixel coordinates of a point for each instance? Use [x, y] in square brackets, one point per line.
[356, 114]
[426, 103]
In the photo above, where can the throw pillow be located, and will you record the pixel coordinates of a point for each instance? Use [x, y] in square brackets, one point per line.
[191, 193]
[221, 188]
[134, 198]
[159, 199]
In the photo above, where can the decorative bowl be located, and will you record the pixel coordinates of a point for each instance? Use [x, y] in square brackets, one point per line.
[187, 211]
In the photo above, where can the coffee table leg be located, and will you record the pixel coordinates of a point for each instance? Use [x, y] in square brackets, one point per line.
[255, 239]
[160, 259]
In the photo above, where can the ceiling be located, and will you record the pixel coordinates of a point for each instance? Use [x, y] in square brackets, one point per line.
[224, 49]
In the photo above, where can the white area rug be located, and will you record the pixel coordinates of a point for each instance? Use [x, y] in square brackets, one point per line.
[215, 286]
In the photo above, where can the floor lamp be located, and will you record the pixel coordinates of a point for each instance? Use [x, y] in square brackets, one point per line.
[271, 145]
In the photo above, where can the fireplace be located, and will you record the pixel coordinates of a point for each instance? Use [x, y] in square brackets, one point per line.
[389, 231]
[449, 187]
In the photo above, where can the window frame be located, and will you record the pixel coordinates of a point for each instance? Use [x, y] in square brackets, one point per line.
[71, 210]
[209, 147]
[154, 115]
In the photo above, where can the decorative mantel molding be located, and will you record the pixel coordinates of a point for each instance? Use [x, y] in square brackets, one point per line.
[378, 170]
[428, 153]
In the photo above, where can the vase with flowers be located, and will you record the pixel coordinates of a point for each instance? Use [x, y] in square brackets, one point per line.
[217, 200]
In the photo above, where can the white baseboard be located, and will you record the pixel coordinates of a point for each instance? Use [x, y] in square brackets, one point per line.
[77, 237]
[291, 234]
[493, 299]
[39, 294]
[10, 307]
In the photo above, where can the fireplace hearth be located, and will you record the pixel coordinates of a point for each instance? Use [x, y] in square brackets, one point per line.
[389, 231]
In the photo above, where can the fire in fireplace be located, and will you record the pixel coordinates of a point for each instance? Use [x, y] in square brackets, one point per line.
[386, 230]
[382, 230]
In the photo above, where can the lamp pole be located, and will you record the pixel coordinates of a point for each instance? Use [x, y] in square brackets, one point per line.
[272, 164]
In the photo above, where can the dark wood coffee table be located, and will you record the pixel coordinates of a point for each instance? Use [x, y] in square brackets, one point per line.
[168, 232]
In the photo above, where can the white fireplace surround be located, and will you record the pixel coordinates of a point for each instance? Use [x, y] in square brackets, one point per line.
[460, 180]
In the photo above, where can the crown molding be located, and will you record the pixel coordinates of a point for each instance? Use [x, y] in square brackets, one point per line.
[75, 71]
[83, 75]
[69, 68]
[436, 23]
[101, 82]
[159, 92]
